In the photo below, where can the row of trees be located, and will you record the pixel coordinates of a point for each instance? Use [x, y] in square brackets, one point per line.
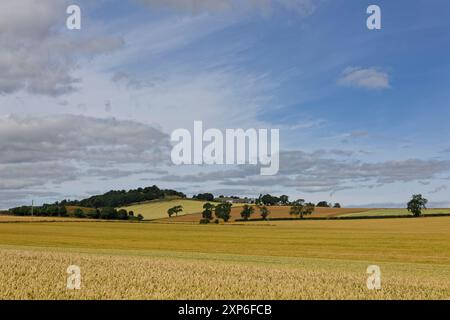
[269, 200]
[204, 197]
[46, 210]
[107, 213]
[221, 211]
[58, 210]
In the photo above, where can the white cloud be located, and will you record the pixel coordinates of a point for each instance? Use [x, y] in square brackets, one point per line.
[36, 55]
[38, 150]
[369, 78]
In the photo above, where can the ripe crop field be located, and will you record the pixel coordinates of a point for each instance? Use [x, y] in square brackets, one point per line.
[277, 212]
[158, 209]
[258, 260]
[394, 212]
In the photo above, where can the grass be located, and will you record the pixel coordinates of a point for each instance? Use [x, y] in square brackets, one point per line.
[158, 209]
[257, 260]
[393, 212]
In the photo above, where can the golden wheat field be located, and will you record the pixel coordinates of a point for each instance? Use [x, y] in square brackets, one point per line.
[260, 260]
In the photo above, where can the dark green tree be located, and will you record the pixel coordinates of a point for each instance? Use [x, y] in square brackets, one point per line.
[174, 211]
[297, 208]
[208, 210]
[416, 204]
[79, 213]
[223, 211]
[284, 199]
[264, 211]
[247, 211]
[323, 204]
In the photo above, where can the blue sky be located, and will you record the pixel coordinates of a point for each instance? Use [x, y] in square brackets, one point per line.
[364, 115]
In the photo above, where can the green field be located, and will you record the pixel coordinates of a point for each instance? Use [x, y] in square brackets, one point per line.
[260, 260]
[394, 212]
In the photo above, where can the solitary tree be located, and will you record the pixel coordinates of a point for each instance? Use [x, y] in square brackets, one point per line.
[308, 208]
[223, 211]
[416, 204]
[174, 210]
[264, 212]
[297, 208]
[208, 211]
[337, 205]
[247, 211]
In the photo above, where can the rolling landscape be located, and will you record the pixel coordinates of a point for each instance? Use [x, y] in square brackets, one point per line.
[236, 152]
[281, 257]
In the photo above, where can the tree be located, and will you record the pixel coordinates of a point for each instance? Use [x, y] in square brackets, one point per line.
[297, 208]
[284, 199]
[269, 200]
[247, 211]
[93, 214]
[323, 204]
[108, 213]
[78, 213]
[174, 210]
[208, 211]
[122, 214]
[337, 205]
[204, 197]
[264, 212]
[309, 208]
[416, 204]
[223, 211]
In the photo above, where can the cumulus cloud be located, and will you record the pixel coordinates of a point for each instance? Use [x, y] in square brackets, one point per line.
[369, 78]
[37, 150]
[38, 55]
[302, 7]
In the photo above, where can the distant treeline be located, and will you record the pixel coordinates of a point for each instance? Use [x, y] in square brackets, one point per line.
[100, 206]
[121, 198]
[58, 210]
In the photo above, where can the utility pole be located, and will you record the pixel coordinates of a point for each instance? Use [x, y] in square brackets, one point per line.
[32, 204]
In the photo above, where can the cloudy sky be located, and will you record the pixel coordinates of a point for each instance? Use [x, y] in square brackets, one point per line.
[364, 116]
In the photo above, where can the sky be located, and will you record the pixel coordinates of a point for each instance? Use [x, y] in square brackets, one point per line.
[364, 115]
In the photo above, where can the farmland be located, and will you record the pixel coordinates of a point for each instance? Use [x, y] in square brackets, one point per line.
[257, 260]
[279, 212]
[393, 212]
[158, 209]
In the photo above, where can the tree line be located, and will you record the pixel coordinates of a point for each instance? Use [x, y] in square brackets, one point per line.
[58, 210]
[121, 198]
[270, 200]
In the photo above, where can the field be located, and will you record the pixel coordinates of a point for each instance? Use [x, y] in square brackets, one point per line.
[394, 212]
[278, 212]
[257, 260]
[158, 209]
